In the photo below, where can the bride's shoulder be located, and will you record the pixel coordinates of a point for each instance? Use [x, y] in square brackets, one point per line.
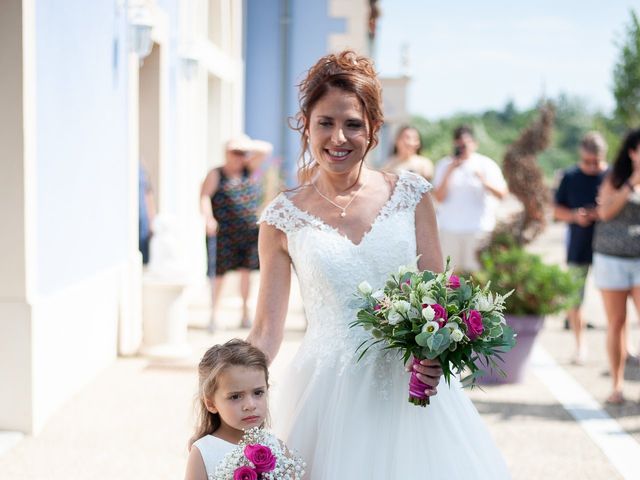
[414, 181]
[283, 212]
[410, 189]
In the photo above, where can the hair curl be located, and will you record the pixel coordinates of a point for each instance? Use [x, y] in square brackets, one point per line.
[346, 71]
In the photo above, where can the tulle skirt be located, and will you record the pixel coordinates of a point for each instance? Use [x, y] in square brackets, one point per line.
[355, 422]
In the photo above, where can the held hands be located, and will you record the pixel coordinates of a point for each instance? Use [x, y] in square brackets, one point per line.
[429, 372]
[584, 216]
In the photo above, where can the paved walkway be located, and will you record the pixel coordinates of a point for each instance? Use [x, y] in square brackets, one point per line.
[133, 420]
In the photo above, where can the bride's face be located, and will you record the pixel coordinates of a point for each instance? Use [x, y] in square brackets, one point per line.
[338, 131]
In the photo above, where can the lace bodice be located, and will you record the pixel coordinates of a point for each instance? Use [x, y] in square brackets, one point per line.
[330, 266]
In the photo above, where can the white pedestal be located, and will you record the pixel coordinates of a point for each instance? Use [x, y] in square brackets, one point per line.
[164, 313]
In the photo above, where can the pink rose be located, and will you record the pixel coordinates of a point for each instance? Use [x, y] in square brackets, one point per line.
[377, 307]
[245, 473]
[261, 456]
[440, 313]
[454, 282]
[474, 324]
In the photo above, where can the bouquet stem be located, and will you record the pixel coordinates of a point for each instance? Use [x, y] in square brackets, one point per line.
[417, 388]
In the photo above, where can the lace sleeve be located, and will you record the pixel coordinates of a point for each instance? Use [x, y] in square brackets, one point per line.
[283, 215]
[411, 190]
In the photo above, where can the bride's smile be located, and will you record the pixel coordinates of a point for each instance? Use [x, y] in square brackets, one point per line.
[338, 132]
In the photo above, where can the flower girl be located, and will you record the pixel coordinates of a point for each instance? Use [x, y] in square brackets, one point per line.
[232, 409]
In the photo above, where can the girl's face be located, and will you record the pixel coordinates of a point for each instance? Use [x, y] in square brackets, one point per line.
[240, 399]
[408, 142]
[338, 131]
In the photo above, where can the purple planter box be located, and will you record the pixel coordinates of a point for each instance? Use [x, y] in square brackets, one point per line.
[515, 360]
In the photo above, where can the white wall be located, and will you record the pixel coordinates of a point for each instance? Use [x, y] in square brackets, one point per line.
[69, 244]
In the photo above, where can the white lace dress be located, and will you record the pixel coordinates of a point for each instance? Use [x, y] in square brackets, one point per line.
[352, 419]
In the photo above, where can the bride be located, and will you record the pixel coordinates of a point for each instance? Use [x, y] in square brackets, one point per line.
[344, 224]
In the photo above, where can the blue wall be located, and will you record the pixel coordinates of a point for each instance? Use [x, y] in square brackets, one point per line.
[264, 109]
[81, 140]
[267, 106]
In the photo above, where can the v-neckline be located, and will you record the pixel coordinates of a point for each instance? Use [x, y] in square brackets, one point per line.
[377, 218]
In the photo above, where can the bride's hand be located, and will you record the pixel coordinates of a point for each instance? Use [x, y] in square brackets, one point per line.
[429, 372]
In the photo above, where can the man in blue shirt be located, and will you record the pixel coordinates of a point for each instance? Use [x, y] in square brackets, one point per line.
[575, 203]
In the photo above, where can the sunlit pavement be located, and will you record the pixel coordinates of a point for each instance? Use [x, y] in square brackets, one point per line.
[134, 419]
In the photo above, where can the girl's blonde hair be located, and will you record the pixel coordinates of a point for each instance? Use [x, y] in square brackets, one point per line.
[214, 362]
[346, 71]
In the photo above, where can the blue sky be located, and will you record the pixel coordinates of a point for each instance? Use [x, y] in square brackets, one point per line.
[473, 55]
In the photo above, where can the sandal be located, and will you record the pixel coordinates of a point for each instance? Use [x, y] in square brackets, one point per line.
[615, 398]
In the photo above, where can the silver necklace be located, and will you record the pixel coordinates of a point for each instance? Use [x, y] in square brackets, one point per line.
[344, 209]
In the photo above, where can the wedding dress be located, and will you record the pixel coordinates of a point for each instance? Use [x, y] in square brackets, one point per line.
[351, 419]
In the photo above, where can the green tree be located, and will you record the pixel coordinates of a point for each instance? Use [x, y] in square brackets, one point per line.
[626, 76]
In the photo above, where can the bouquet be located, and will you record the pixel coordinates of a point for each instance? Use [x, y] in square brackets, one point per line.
[436, 316]
[260, 456]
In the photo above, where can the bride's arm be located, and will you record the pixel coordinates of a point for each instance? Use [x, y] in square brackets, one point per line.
[273, 296]
[427, 239]
[428, 247]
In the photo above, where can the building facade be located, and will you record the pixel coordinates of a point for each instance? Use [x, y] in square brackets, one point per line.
[91, 90]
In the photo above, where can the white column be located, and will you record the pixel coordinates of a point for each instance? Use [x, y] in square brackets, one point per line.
[17, 187]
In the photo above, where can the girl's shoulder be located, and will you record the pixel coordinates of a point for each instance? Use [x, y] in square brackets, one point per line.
[212, 442]
[213, 451]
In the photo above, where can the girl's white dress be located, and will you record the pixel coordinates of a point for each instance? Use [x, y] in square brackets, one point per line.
[213, 451]
[351, 419]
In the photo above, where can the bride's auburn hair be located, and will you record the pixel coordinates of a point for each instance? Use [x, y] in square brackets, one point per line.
[214, 362]
[346, 71]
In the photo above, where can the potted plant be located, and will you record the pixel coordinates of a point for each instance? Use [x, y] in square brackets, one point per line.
[539, 289]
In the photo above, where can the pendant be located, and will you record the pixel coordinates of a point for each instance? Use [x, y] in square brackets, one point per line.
[343, 214]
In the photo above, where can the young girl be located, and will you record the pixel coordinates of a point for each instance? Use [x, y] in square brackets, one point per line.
[233, 384]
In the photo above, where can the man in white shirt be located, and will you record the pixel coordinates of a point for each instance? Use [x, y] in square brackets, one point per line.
[468, 188]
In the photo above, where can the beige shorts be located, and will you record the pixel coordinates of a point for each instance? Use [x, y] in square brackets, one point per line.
[463, 249]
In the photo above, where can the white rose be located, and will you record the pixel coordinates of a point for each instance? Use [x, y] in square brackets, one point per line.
[378, 295]
[457, 335]
[401, 306]
[365, 288]
[428, 313]
[394, 317]
[483, 304]
[430, 327]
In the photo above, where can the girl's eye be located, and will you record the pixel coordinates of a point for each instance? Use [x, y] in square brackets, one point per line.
[259, 393]
[234, 397]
